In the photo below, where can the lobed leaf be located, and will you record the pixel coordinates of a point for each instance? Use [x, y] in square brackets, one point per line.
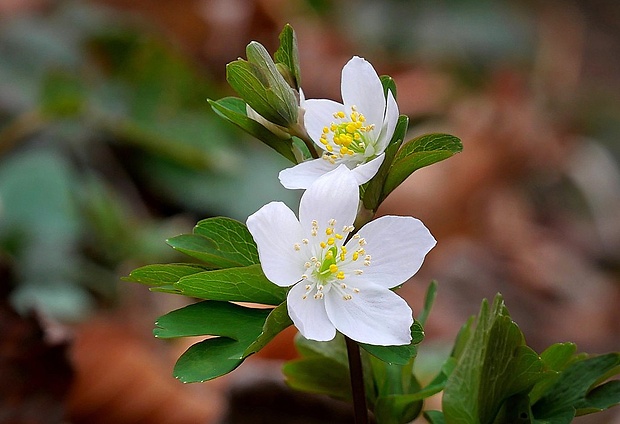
[576, 388]
[220, 242]
[276, 321]
[494, 365]
[212, 318]
[239, 284]
[236, 328]
[163, 274]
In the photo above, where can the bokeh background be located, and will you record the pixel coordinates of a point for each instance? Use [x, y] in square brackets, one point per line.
[108, 147]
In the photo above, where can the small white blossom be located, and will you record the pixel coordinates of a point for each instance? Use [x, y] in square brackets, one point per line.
[354, 133]
[341, 282]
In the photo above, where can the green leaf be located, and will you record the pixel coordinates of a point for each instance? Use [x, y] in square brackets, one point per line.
[241, 284]
[555, 358]
[515, 410]
[283, 98]
[409, 404]
[162, 274]
[334, 349]
[319, 374]
[396, 409]
[373, 191]
[247, 80]
[288, 55]
[399, 355]
[231, 238]
[576, 388]
[434, 417]
[417, 153]
[220, 242]
[277, 321]
[233, 109]
[429, 299]
[214, 319]
[236, 327]
[495, 364]
[388, 85]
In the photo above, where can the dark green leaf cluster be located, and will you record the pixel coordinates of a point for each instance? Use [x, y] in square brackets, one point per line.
[228, 272]
[271, 88]
[498, 379]
[393, 392]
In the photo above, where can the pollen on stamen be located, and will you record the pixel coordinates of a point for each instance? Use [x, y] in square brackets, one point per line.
[329, 231]
[323, 245]
[358, 272]
[343, 285]
[356, 290]
[297, 247]
[347, 297]
[340, 275]
[362, 242]
[304, 241]
[332, 222]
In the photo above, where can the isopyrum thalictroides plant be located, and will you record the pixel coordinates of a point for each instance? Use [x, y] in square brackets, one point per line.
[331, 269]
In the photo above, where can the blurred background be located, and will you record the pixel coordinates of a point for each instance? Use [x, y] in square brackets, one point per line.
[108, 147]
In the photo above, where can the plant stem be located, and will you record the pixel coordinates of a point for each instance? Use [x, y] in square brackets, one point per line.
[357, 382]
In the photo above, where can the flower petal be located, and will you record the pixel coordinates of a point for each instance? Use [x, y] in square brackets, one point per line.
[309, 315]
[364, 173]
[305, 173]
[375, 315]
[397, 246]
[318, 115]
[361, 87]
[389, 123]
[275, 229]
[334, 195]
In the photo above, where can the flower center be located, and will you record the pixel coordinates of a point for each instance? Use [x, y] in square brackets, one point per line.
[346, 136]
[325, 269]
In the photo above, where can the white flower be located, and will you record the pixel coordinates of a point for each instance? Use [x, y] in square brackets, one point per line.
[338, 284]
[355, 133]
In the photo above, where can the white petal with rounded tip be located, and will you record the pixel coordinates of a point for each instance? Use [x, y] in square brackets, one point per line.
[334, 195]
[319, 114]
[389, 123]
[364, 173]
[309, 315]
[361, 87]
[375, 315]
[304, 174]
[397, 246]
[275, 230]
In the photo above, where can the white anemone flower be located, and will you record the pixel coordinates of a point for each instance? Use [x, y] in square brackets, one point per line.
[341, 281]
[354, 133]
